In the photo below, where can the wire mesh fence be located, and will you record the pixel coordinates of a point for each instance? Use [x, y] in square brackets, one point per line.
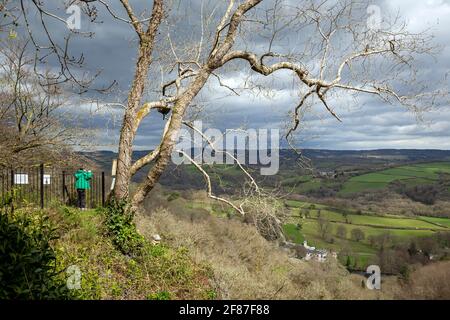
[42, 186]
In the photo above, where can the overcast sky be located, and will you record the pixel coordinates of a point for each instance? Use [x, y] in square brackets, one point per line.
[368, 125]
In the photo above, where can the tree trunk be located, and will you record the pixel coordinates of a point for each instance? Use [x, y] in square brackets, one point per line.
[124, 159]
[170, 138]
[129, 128]
[131, 118]
[131, 122]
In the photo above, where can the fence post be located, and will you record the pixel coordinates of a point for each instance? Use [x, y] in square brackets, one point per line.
[42, 185]
[12, 190]
[103, 188]
[64, 187]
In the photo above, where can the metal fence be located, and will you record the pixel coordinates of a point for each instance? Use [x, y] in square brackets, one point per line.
[43, 185]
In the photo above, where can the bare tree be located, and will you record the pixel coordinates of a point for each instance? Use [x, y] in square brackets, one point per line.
[337, 55]
[266, 214]
[341, 231]
[357, 235]
[33, 121]
[9, 15]
[325, 228]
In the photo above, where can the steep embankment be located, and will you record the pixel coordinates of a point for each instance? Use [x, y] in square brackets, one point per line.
[86, 258]
[246, 266]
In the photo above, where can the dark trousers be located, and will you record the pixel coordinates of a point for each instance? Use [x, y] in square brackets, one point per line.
[81, 201]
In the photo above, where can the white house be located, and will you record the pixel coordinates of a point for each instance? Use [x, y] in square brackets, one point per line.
[319, 255]
[305, 244]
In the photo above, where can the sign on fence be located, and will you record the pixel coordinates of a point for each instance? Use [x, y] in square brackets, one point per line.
[114, 168]
[47, 179]
[113, 174]
[20, 178]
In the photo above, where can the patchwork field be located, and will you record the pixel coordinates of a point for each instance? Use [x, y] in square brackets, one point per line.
[418, 174]
[303, 225]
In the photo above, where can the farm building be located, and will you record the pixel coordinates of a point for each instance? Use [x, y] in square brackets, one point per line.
[320, 255]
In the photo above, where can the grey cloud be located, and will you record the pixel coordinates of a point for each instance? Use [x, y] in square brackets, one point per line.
[367, 124]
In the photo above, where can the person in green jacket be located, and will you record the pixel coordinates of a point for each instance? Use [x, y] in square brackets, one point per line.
[82, 178]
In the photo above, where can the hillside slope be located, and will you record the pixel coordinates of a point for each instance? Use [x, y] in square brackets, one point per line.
[86, 259]
[245, 265]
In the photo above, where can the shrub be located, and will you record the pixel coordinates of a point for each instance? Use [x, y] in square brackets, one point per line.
[120, 226]
[173, 196]
[163, 295]
[430, 282]
[28, 262]
[358, 235]
[245, 265]
[324, 227]
[341, 232]
[426, 194]
[267, 215]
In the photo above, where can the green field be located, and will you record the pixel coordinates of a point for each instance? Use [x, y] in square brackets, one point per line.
[400, 228]
[291, 231]
[411, 175]
[439, 221]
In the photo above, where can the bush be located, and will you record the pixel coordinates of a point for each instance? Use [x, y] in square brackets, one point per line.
[430, 282]
[120, 226]
[163, 295]
[358, 235]
[173, 196]
[266, 214]
[341, 232]
[426, 194]
[28, 262]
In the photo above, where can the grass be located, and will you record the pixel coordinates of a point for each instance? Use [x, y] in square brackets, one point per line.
[327, 214]
[295, 181]
[392, 222]
[387, 221]
[159, 271]
[302, 204]
[411, 175]
[293, 234]
[400, 228]
[310, 228]
[360, 251]
[439, 221]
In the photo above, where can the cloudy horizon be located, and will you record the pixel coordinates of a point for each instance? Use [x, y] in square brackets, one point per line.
[366, 125]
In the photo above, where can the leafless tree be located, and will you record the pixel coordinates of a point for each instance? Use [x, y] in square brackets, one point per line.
[267, 214]
[9, 15]
[337, 55]
[324, 227]
[357, 234]
[341, 231]
[34, 124]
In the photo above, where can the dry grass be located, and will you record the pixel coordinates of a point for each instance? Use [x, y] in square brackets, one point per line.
[245, 265]
[430, 282]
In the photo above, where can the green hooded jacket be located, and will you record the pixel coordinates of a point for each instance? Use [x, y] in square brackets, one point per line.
[82, 179]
